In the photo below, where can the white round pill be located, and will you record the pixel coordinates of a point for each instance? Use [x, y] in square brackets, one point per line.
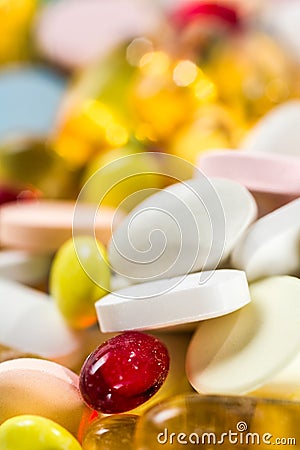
[277, 132]
[173, 301]
[184, 228]
[270, 246]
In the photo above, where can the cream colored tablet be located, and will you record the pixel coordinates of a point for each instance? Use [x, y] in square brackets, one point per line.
[44, 388]
[271, 245]
[245, 350]
[277, 132]
[43, 226]
[174, 301]
[184, 228]
[30, 322]
[24, 267]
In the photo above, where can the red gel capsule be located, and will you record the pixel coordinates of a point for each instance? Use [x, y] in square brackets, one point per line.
[124, 372]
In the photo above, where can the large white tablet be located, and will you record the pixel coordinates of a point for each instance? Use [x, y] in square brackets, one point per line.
[174, 301]
[244, 350]
[24, 267]
[277, 132]
[184, 228]
[271, 245]
[30, 322]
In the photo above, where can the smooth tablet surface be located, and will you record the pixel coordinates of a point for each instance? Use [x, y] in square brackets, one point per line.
[244, 350]
[34, 386]
[30, 322]
[29, 432]
[24, 267]
[184, 228]
[270, 246]
[173, 301]
[274, 180]
[277, 132]
[43, 226]
[29, 100]
[74, 32]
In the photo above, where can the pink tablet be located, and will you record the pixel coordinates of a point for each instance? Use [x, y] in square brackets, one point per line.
[72, 33]
[274, 180]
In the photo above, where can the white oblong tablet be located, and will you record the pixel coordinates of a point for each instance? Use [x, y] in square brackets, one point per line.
[74, 33]
[44, 388]
[43, 226]
[244, 350]
[30, 322]
[173, 301]
[277, 132]
[24, 267]
[270, 246]
[184, 228]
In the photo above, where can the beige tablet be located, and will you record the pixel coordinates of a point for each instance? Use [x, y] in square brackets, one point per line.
[43, 226]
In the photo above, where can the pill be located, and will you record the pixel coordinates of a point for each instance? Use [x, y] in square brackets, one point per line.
[23, 267]
[245, 350]
[111, 433]
[270, 246]
[72, 288]
[37, 92]
[272, 179]
[124, 372]
[209, 421]
[34, 386]
[184, 228]
[173, 301]
[30, 160]
[30, 432]
[43, 226]
[30, 322]
[74, 33]
[277, 132]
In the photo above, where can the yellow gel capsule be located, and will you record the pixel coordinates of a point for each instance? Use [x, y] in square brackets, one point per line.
[122, 177]
[35, 433]
[77, 263]
[191, 421]
[214, 126]
[252, 73]
[15, 20]
[113, 432]
[94, 113]
[166, 93]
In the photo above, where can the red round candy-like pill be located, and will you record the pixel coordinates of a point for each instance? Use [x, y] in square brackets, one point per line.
[124, 372]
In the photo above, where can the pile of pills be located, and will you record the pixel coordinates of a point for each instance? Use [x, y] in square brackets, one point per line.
[149, 224]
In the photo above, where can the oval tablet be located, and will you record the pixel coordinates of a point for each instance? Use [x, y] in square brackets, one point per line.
[274, 180]
[244, 350]
[29, 432]
[73, 33]
[34, 386]
[277, 132]
[184, 228]
[30, 98]
[30, 322]
[24, 267]
[43, 226]
[173, 301]
[270, 246]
